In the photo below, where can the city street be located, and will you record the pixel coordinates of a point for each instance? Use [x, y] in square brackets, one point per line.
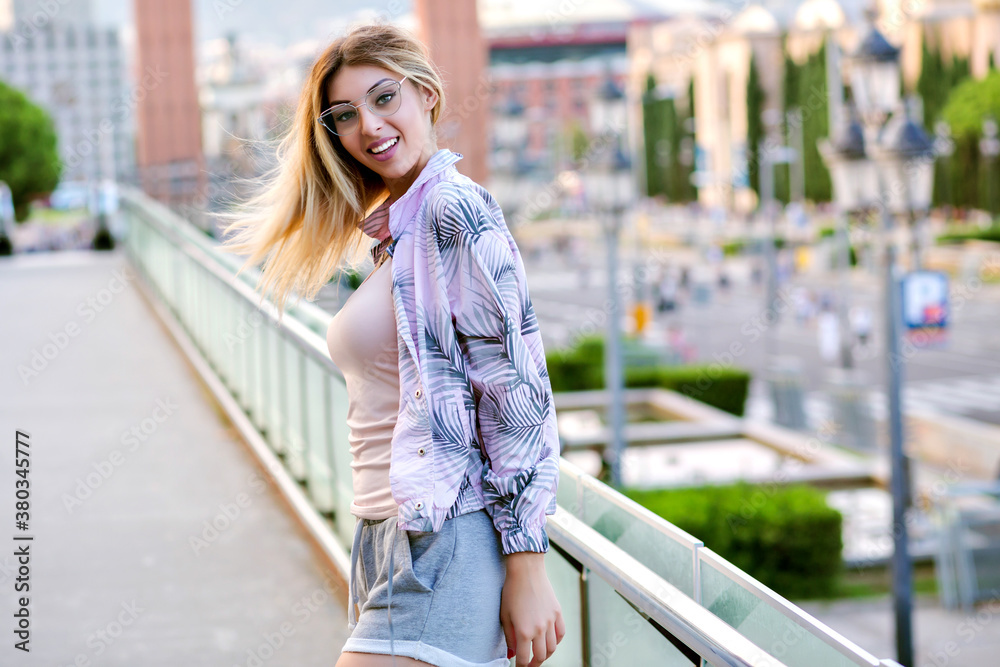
[962, 378]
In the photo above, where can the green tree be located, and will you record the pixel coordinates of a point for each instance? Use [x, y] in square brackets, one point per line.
[814, 101]
[966, 108]
[955, 176]
[653, 139]
[29, 156]
[664, 127]
[579, 142]
[790, 100]
[755, 124]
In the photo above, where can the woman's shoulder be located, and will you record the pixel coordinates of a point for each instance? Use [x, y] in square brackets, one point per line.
[460, 189]
[460, 199]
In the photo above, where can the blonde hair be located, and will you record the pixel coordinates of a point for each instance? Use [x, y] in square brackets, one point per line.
[304, 223]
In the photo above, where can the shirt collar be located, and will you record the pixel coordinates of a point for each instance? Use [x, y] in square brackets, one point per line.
[376, 224]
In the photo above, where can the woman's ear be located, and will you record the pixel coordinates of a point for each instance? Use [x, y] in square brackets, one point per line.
[430, 97]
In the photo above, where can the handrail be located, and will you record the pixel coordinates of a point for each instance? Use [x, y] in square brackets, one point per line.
[680, 616]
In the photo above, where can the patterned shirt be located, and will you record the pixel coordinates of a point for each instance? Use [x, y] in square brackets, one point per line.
[477, 423]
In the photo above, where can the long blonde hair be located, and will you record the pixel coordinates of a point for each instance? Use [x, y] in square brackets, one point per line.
[304, 223]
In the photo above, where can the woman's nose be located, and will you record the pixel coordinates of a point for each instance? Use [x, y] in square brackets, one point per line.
[370, 123]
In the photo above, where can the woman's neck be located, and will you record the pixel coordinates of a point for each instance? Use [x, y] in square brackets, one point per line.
[398, 186]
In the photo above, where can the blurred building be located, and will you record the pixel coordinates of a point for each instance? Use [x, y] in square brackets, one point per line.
[232, 95]
[168, 140]
[545, 82]
[39, 13]
[955, 28]
[77, 72]
[451, 32]
[721, 70]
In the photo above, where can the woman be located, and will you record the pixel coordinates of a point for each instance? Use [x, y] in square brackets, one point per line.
[466, 471]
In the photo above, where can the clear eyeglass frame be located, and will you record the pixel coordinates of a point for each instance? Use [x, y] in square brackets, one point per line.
[370, 101]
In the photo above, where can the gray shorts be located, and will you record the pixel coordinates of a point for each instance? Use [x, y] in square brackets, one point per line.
[445, 592]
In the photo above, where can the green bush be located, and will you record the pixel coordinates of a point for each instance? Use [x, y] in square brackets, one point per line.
[958, 234]
[787, 538]
[581, 368]
[733, 248]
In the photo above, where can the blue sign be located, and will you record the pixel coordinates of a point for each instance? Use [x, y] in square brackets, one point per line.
[925, 307]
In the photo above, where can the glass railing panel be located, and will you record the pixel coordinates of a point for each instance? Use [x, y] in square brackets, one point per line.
[568, 485]
[668, 557]
[565, 581]
[227, 304]
[212, 312]
[277, 392]
[757, 614]
[343, 489]
[620, 637]
[294, 438]
[248, 334]
[319, 479]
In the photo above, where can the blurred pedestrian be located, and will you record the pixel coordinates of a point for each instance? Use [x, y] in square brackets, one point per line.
[828, 332]
[667, 293]
[861, 324]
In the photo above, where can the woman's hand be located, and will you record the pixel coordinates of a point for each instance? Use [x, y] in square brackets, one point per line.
[529, 611]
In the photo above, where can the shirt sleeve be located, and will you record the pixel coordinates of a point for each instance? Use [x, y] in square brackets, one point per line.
[498, 333]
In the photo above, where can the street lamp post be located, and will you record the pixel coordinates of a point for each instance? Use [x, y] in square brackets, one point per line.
[904, 159]
[853, 179]
[610, 186]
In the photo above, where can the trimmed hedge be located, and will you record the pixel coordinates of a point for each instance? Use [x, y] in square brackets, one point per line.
[581, 368]
[787, 538]
[959, 234]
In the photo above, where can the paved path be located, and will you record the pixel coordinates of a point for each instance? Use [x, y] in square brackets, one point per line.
[118, 576]
[941, 637]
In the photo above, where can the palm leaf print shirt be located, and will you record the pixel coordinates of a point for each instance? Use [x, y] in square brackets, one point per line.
[477, 425]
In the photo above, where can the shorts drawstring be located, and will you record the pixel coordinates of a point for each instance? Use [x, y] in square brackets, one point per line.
[392, 571]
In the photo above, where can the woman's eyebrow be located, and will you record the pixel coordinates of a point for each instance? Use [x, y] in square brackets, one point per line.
[374, 86]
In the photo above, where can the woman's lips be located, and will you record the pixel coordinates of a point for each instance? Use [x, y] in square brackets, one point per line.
[386, 154]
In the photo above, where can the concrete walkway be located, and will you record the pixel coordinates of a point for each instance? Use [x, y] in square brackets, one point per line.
[940, 637]
[131, 466]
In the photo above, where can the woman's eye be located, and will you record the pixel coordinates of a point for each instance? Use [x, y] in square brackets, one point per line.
[384, 98]
[343, 116]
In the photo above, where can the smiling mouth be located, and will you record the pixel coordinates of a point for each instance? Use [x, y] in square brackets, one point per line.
[384, 146]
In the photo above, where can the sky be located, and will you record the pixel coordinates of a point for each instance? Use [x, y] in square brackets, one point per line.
[280, 22]
[283, 22]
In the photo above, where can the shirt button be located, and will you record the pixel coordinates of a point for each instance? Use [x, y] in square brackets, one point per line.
[417, 393]
[419, 505]
[420, 451]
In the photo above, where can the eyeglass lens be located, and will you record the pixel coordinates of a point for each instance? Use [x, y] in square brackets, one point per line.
[343, 118]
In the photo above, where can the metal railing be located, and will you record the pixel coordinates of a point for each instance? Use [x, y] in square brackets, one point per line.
[634, 588]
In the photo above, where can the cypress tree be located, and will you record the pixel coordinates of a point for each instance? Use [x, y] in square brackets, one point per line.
[755, 125]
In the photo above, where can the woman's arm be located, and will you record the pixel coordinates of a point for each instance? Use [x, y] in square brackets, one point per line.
[498, 332]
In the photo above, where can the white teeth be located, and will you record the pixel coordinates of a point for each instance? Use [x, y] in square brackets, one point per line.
[381, 148]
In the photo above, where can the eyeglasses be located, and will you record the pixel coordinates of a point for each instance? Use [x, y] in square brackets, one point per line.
[342, 119]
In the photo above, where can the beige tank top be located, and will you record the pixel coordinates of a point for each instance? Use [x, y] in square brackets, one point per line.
[363, 344]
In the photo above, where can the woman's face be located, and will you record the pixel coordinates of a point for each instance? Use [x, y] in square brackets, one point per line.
[406, 132]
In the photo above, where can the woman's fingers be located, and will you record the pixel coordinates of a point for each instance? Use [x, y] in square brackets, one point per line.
[551, 640]
[508, 634]
[538, 647]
